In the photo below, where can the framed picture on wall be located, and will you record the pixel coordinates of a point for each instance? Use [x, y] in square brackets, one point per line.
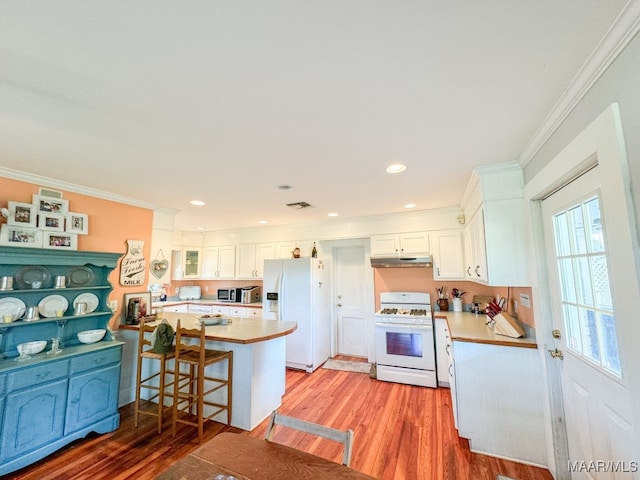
[22, 214]
[50, 204]
[51, 221]
[136, 306]
[78, 223]
[60, 240]
[17, 236]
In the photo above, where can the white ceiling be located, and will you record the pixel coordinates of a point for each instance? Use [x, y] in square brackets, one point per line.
[166, 101]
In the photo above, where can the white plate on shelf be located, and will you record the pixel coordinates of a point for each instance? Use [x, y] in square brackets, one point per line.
[90, 299]
[12, 306]
[49, 305]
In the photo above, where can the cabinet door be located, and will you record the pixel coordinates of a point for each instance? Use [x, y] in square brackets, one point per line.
[254, 312]
[238, 311]
[448, 255]
[191, 258]
[210, 262]
[478, 249]
[245, 261]
[195, 308]
[92, 397]
[33, 418]
[385, 245]
[226, 262]
[442, 351]
[264, 251]
[417, 242]
[219, 309]
[177, 308]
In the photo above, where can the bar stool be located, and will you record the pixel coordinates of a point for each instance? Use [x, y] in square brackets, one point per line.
[156, 382]
[189, 388]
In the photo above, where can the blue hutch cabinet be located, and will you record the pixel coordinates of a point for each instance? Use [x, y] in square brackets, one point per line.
[52, 399]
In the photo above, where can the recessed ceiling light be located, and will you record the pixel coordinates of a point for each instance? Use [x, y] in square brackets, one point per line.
[396, 168]
[332, 214]
[410, 205]
[285, 187]
[200, 228]
[197, 203]
[262, 221]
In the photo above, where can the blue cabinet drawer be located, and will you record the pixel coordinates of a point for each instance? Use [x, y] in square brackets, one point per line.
[97, 359]
[30, 376]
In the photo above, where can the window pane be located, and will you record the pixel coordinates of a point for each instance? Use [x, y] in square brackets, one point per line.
[572, 328]
[587, 305]
[583, 278]
[596, 236]
[611, 361]
[567, 282]
[601, 283]
[562, 235]
[579, 242]
[590, 345]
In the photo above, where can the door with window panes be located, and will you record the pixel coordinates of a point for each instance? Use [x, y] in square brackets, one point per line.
[596, 399]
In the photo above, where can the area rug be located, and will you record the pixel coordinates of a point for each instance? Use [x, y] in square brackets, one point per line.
[347, 366]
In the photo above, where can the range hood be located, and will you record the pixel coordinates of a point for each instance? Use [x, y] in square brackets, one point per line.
[395, 262]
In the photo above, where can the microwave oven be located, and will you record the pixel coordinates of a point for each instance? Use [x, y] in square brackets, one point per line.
[229, 294]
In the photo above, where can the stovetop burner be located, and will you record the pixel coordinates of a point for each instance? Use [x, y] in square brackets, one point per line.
[408, 308]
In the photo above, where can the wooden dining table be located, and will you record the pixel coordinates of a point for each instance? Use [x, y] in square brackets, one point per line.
[248, 458]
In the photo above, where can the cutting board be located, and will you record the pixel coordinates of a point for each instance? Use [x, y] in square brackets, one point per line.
[482, 301]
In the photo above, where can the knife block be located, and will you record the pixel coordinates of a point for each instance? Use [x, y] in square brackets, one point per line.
[507, 325]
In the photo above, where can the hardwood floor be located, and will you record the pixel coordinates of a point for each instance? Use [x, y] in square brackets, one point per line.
[401, 432]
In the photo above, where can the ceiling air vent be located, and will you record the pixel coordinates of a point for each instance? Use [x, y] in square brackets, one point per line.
[298, 205]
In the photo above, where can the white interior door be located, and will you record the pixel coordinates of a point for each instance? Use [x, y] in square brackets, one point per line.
[351, 269]
[597, 402]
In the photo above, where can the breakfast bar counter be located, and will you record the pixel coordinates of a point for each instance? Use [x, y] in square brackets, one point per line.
[258, 361]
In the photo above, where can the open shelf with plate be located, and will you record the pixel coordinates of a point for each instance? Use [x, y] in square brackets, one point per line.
[54, 397]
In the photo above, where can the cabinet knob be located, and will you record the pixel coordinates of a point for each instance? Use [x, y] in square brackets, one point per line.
[477, 268]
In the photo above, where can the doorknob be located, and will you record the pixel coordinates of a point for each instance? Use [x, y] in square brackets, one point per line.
[339, 304]
[555, 333]
[555, 353]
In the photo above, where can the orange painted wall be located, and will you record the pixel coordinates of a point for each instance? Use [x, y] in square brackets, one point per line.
[111, 224]
[421, 280]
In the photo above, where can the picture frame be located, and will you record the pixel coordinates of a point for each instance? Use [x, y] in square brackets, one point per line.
[17, 236]
[51, 221]
[22, 214]
[131, 317]
[77, 223]
[60, 240]
[46, 204]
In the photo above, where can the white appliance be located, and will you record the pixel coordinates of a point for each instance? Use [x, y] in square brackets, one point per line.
[297, 290]
[405, 350]
[190, 292]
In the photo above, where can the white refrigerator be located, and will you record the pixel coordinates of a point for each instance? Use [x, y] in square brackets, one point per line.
[297, 290]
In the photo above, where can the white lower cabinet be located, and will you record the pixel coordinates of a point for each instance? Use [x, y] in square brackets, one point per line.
[498, 399]
[203, 309]
[443, 347]
[182, 308]
[254, 312]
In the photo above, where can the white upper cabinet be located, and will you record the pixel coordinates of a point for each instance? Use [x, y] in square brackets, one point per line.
[219, 262]
[186, 263]
[496, 243]
[448, 256]
[250, 259]
[416, 243]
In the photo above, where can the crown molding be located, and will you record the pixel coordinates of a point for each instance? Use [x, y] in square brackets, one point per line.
[75, 188]
[620, 33]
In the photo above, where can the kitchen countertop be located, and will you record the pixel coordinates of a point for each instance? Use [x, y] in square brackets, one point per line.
[239, 330]
[469, 327]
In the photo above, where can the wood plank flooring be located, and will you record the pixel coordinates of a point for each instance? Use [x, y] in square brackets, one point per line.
[401, 432]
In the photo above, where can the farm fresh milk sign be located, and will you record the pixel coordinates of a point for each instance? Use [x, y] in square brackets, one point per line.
[132, 267]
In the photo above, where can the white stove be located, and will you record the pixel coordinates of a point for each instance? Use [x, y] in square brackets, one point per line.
[405, 351]
[409, 308]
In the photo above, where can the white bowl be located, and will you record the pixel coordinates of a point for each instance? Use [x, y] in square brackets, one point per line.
[91, 336]
[31, 348]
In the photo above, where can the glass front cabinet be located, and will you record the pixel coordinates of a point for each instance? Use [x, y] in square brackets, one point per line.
[69, 389]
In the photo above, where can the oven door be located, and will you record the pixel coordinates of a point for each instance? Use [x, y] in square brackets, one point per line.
[408, 346]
